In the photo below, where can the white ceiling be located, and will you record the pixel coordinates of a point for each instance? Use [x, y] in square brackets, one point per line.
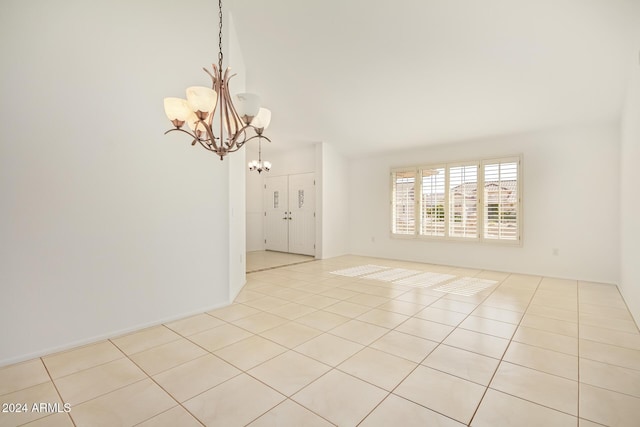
[369, 75]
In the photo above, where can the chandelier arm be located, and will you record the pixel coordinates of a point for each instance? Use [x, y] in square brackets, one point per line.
[207, 147]
[225, 76]
[222, 150]
[216, 87]
[224, 110]
[210, 134]
[225, 119]
[233, 116]
[213, 78]
[208, 122]
[217, 72]
[228, 96]
[254, 137]
[195, 138]
[182, 130]
[233, 150]
[233, 120]
[241, 133]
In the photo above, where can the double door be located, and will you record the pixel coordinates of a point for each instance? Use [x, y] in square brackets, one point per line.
[289, 203]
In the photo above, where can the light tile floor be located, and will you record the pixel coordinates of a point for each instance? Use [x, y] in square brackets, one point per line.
[304, 347]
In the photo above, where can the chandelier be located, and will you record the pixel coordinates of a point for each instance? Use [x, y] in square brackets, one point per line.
[259, 165]
[205, 107]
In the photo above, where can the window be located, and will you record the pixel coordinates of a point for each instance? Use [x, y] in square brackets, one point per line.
[474, 201]
[501, 200]
[463, 201]
[432, 202]
[404, 202]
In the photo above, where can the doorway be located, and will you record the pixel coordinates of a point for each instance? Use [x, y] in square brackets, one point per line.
[289, 202]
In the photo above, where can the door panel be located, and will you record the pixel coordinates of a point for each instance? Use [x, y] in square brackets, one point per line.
[302, 207]
[276, 207]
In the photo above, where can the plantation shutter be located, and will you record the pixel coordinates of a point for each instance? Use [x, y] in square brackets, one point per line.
[463, 201]
[403, 202]
[501, 200]
[472, 200]
[432, 202]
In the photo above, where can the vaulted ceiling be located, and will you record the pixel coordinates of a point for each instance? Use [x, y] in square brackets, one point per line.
[370, 75]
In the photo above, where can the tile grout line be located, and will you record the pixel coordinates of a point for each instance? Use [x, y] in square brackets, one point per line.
[417, 364]
[332, 368]
[157, 384]
[56, 388]
[289, 397]
[504, 352]
[432, 350]
[243, 371]
[86, 369]
[539, 404]
[124, 356]
[456, 327]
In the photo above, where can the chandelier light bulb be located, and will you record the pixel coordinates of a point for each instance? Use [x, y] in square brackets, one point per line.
[177, 110]
[247, 106]
[259, 166]
[202, 100]
[262, 119]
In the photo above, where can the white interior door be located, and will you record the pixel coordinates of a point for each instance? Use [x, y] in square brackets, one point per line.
[276, 208]
[290, 206]
[302, 209]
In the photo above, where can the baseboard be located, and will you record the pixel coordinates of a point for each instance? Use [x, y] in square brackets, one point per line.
[114, 334]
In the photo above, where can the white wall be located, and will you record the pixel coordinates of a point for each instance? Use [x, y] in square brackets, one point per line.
[287, 162]
[570, 202]
[106, 224]
[237, 223]
[630, 196]
[333, 207]
[237, 176]
[290, 162]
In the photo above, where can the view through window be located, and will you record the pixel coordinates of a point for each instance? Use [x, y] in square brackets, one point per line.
[469, 201]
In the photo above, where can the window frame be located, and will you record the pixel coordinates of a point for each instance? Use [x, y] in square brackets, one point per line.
[393, 198]
[444, 202]
[519, 211]
[480, 207]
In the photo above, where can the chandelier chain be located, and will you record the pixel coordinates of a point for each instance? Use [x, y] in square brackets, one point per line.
[220, 35]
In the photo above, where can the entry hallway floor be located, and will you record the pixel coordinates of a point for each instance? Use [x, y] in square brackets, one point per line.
[303, 346]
